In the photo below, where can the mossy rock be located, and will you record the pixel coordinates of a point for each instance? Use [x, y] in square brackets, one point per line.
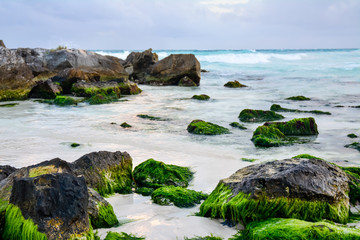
[8, 105]
[211, 237]
[294, 229]
[237, 125]
[64, 101]
[201, 127]
[178, 196]
[354, 184]
[144, 191]
[125, 125]
[75, 145]
[129, 88]
[307, 156]
[122, 236]
[298, 98]
[248, 159]
[250, 115]
[14, 94]
[202, 97]
[149, 117]
[296, 127]
[352, 135]
[354, 145]
[101, 98]
[278, 108]
[265, 136]
[234, 84]
[106, 217]
[155, 174]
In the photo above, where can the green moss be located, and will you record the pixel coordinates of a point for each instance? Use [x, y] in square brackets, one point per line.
[37, 171]
[89, 235]
[144, 191]
[354, 184]
[155, 174]
[241, 208]
[237, 125]
[118, 179]
[278, 108]
[352, 135]
[12, 95]
[294, 229]
[122, 236]
[297, 127]
[64, 101]
[125, 125]
[152, 118]
[265, 136]
[106, 217]
[250, 115]
[74, 145]
[211, 237]
[206, 128]
[354, 145]
[180, 197]
[89, 92]
[101, 98]
[248, 159]
[234, 84]
[17, 227]
[129, 89]
[298, 98]
[201, 97]
[9, 105]
[307, 156]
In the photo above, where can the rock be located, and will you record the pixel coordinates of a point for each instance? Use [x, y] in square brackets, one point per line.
[101, 213]
[237, 125]
[278, 108]
[102, 98]
[55, 206]
[129, 88]
[178, 196]
[87, 89]
[250, 115]
[352, 135]
[8, 105]
[186, 82]
[45, 89]
[265, 136]
[2, 44]
[201, 97]
[206, 128]
[307, 156]
[354, 145]
[122, 236]
[353, 174]
[106, 172]
[284, 228]
[306, 189]
[170, 70]
[204, 70]
[298, 98]
[5, 171]
[64, 101]
[234, 84]
[155, 174]
[152, 118]
[75, 145]
[140, 62]
[125, 125]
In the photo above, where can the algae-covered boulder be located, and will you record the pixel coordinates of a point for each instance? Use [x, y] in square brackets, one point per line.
[155, 174]
[122, 236]
[250, 115]
[201, 97]
[296, 127]
[46, 90]
[106, 172]
[354, 184]
[102, 98]
[87, 89]
[295, 229]
[354, 145]
[50, 206]
[278, 108]
[234, 84]
[64, 101]
[298, 98]
[201, 127]
[125, 125]
[306, 189]
[178, 196]
[352, 135]
[265, 136]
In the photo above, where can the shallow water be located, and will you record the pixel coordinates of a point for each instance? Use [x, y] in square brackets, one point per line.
[32, 132]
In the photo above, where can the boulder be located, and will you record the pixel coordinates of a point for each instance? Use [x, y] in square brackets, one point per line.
[296, 127]
[172, 70]
[306, 189]
[234, 84]
[2, 44]
[5, 171]
[106, 172]
[187, 82]
[54, 206]
[140, 62]
[87, 89]
[298, 98]
[45, 89]
[201, 127]
[203, 97]
[251, 115]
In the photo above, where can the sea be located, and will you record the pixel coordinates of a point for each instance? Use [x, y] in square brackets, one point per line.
[32, 132]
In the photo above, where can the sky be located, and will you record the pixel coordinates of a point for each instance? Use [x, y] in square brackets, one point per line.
[181, 24]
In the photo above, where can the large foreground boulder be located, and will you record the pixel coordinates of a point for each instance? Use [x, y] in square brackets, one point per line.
[307, 189]
[106, 172]
[50, 206]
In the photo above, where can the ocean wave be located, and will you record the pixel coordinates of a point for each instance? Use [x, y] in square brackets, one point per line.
[118, 54]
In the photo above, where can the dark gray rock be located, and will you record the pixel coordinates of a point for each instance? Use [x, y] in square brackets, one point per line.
[45, 89]
[137, 63]
[5, 171]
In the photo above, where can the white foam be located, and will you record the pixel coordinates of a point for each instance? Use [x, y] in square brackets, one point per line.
[121, 55]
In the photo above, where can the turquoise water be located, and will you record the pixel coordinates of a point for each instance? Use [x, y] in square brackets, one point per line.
[33, 132]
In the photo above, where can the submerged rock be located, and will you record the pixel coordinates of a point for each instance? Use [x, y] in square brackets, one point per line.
[54, 206]
[234, 84]
[278, 108]
[250, 115]
[201, 97]
[149, 117]
[122, 236]
[298, 98]
[206, 128]
[352, 135]
[237, 125]
[8, 105]
[354, 145]
[178, 196]
[294, 229]
[64, 101]
[125, 125]
[102, 98]
[45, 89]
[307, 189]
[106, 172]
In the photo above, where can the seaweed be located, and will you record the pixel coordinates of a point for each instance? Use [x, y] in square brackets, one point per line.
[122, 236]
[201, 127]
[307, 156]
[144, 191]
[106, 217]
[74, 145]
[102, 98]
[250, 115]
[63, 101]
[9, 105]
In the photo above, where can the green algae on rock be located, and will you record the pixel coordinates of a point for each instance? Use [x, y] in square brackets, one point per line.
[178, 196]
[237, 125]
[125, 125]
[206, 128]
[9, 105]
[202, 97]
[101, 98]
[278, 108]
[14, 94]
[351, 135]
[74, 145]
[295, 229]
[248, 159]
[298, 98]
[144, 191]
[152, 118]
[267, 136]
[234, 84]
[211, 237]
[354, 145]
[263, 191]
[155, 174]
[106, 217]
[250, 115]
[64, 101]
[122, 236]
[308, 156]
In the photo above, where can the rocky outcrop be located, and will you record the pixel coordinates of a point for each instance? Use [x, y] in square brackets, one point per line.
[45, 89]
[2, 44]
[55, 203]
[106, 172]
[307, 189]
[140, 62]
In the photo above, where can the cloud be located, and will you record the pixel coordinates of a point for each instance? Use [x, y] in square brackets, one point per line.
[222, 7]
[224, 2]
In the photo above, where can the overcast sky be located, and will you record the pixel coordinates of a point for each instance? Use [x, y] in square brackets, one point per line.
[180, 24]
